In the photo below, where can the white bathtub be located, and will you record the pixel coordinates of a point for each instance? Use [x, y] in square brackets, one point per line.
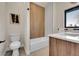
[39, 43]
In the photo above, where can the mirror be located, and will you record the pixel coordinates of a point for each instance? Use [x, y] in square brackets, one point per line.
[72, 17]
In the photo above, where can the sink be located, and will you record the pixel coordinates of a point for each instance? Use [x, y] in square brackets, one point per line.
[70, 34]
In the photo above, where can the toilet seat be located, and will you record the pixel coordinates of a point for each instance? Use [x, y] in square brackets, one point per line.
[15, 45]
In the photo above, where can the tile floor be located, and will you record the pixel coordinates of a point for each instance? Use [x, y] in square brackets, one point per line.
[41, 52]
[21, 51]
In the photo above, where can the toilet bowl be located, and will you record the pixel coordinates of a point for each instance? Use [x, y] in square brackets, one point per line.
[15, 44]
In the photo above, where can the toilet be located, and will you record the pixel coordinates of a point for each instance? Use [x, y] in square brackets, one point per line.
[15, 44]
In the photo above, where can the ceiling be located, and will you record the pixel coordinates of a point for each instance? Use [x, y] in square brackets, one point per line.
[43, 4]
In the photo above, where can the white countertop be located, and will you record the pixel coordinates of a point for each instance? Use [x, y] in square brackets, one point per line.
[68, 36]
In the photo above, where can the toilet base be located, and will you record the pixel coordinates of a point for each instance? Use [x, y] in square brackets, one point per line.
[15, 52]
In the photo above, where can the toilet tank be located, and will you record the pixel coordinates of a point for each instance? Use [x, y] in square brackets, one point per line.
[14, 37]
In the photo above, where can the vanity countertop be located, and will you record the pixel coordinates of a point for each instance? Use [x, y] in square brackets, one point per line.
[68, 36]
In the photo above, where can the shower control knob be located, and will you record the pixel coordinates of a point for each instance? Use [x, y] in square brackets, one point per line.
[28, 9]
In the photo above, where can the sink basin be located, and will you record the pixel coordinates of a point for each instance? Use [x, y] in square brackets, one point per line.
[70, 34]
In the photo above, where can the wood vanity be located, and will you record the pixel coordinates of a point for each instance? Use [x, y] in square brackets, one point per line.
[61, 47]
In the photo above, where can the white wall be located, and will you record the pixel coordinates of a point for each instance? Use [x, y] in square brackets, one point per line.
[54, 16]
[23, 28]
[55, 22]
[58, 14]
[27, 29]
[3, 27]
[2, 21]
[16, 8]
[19, 8]
[48, 18]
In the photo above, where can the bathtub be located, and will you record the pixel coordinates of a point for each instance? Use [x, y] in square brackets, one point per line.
[39, 43]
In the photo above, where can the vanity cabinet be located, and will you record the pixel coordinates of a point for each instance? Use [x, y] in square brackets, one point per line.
[59, 47]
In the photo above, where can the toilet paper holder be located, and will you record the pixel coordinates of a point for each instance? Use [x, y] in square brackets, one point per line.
[2, 41]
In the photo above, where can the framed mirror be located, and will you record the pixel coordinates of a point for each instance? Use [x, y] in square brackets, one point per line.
[72, 17]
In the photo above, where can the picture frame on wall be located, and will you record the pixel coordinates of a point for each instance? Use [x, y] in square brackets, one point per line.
[14, 18]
